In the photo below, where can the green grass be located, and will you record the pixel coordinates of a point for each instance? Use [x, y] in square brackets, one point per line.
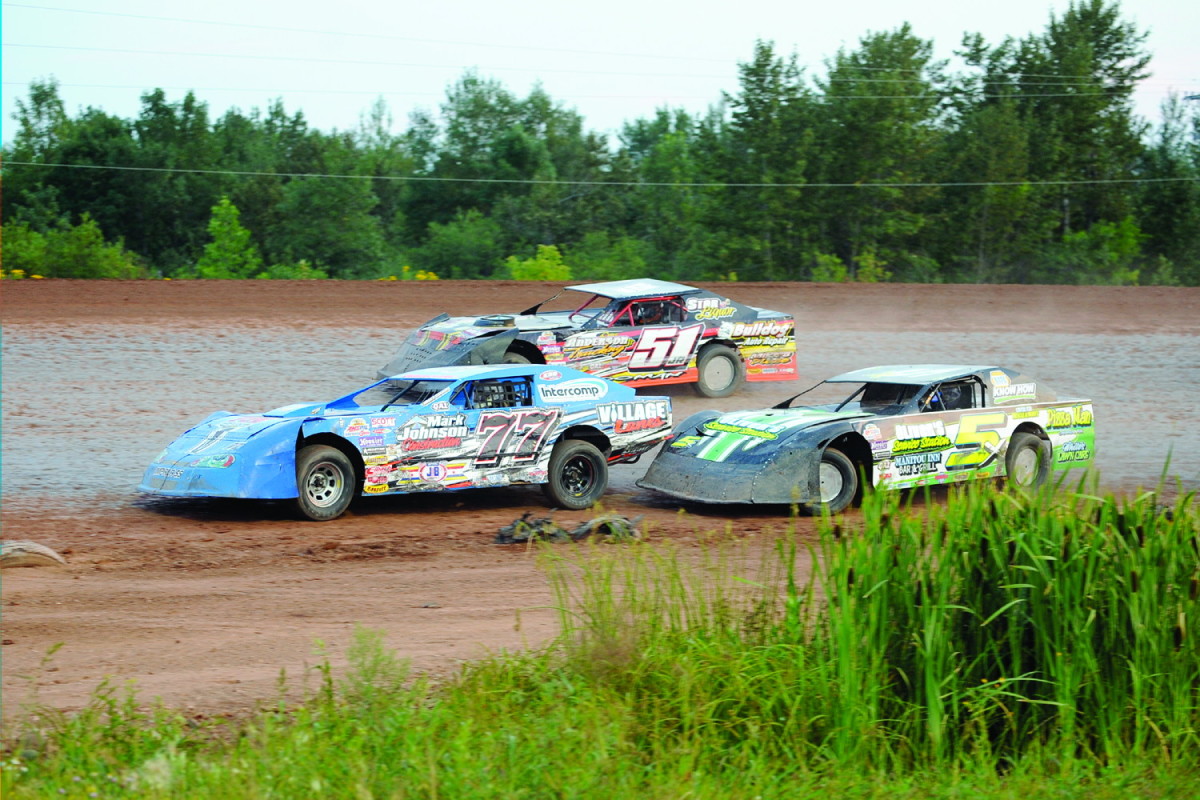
[993, 645]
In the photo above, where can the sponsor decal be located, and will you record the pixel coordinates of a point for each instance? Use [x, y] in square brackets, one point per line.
[551, 375]
[370, 441]
[375, 488]
[374, 460]
[1074, 417]
[167, 472]
[764, 359]
[709, 307]
[383, 422]
[441, 405]
[1024, 412]
[433, 473]
[921, 437]
[214, 462]
[999, 378]
[433, 432]
[376, 451]
[1073, 451]
[774, 329]
[357, 427]
[630, 417]
[573, 391]
[918, 463]
[871, 431]
[546, 337]
[1014, 391]
[717, 425]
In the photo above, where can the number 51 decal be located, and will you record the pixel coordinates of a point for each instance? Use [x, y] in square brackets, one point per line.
[665, 347]
[977, 429]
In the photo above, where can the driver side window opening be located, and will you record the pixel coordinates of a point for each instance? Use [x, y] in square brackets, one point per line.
[501, 393]
[658, 311]
[953, 396]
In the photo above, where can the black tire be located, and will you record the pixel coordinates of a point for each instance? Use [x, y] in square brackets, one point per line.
[1027, 462]
[578, 475]
[326, 481]
[720, 371]
[513, 357]
[837, 483]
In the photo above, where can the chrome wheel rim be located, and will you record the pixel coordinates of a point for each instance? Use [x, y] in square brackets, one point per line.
[324, 484]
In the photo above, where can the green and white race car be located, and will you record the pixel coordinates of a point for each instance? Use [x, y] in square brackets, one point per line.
[894, 426]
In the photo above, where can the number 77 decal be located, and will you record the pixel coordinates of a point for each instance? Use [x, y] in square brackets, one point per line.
[665, 347]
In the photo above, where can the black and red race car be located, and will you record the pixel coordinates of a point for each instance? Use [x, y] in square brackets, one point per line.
[642, 332]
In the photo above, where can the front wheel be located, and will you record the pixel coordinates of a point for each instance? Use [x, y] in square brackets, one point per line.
[1027, 462]
[720, 371]
[513, 357]
[837, 483]
[326, 481]
[578, 475]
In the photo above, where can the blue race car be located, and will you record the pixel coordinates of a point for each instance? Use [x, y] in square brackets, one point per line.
[437, 429]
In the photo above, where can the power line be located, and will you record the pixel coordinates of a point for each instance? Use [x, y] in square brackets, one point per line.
[392, 37]
[1015, 81]
[655, 184]
[387, 92]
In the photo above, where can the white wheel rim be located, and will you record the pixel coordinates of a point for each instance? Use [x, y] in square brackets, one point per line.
[1025, 466]
[718, 373]
[831, 482]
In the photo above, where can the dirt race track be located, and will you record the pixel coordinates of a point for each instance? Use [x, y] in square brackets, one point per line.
[203, 603]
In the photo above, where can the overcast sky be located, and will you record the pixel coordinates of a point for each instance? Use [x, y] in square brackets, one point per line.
[612, 62]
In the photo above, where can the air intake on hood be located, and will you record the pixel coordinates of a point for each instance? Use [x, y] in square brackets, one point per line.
[495, 321]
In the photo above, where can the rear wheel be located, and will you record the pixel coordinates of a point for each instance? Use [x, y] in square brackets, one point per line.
[513, 357]
[1027, 462]
[837, 483]
[720, 371]
[326, 481]
[578, 475]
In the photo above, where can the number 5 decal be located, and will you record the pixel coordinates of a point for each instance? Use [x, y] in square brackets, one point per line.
[977, 429]
[665, 347]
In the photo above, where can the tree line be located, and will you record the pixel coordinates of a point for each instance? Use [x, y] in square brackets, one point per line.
[1026, 165]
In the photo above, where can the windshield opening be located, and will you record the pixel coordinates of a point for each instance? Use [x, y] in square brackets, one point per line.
[871, 398]
[398, 393]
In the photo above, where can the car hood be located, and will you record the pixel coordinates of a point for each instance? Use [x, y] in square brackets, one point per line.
[752, 435]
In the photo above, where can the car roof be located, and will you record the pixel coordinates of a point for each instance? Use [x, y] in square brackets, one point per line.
[635, 288]
[910, 373]
[476, 371]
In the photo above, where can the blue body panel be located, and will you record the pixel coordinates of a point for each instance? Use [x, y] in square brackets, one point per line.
[455, 436]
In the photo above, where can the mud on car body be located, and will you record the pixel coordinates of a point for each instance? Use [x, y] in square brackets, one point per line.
[437, 429]
[896, 426]
[638, 332]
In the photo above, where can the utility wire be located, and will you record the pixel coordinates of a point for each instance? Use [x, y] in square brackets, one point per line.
[678, 185]
[1018, 80]
[388, 92]
[392, 37]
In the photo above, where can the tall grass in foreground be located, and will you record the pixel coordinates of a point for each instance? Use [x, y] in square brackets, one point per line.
[992, 646]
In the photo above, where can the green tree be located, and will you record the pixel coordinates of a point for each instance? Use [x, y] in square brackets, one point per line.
[547, 265]
[68, 251]
[328, 222]
[881, 105]
[469, 246]
[231, 253]
[763, 154]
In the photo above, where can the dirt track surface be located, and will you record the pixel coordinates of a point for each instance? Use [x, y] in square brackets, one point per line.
[203, 603]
